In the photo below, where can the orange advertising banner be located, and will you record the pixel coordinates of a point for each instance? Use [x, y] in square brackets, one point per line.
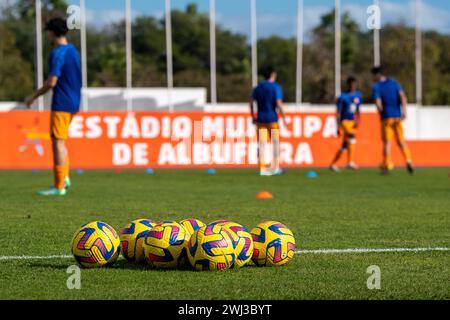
[100, 140]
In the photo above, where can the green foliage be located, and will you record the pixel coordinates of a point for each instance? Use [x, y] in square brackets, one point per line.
[191, 55]
[14, 70]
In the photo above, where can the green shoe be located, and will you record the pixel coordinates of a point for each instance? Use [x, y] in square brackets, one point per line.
[67, 183]
[53, 192]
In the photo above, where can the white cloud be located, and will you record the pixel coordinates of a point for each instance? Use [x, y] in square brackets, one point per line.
[285, 25]
[102, 18]
[433, 18]
[270, 24]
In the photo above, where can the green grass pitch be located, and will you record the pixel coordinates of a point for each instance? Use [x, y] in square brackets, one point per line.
[347, 210]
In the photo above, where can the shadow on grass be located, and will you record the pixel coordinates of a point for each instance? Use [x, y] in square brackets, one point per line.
[123, 264]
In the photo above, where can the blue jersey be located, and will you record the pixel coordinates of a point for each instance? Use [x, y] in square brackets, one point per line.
[389, 92]
[348, 104]
[65, 64]
[266, 94]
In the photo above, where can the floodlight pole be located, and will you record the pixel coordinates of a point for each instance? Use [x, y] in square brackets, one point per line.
[39, 53]
[213, 53]
[169, 54]
[299, 80]
[254, 43]
[376, 42]
[84, 54]
[419, 84]
[337, 21]
[129, 54]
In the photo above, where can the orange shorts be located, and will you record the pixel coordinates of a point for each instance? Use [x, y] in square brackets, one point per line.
[348, 127]
[392, 127]
[269, 127]
[59, 124]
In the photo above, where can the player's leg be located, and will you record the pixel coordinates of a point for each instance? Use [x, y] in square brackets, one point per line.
[400, 136]
[263, 137]
[387, 135]
[350, 136]
[59, 127]
[339, 153]
[60, 163]
[351, 142]
[275, 139]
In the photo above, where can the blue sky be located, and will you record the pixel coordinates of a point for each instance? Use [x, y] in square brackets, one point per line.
[278, 19]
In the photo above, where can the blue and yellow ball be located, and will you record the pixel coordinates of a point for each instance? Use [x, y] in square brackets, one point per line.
[242, 242]
[164, 245]
[96, 244]
[274, 244]
[132, 238]
[211, 248]
[191, 225]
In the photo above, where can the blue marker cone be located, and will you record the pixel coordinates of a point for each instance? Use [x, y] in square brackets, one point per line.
[311, 174]
[212, 171]
[149, 171]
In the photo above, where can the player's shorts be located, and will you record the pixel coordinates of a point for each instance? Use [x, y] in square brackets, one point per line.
[391, 127]
[269, 127]
[59, 124]
[348, 127]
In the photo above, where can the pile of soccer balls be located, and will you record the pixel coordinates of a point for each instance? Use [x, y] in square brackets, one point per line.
[219, 245]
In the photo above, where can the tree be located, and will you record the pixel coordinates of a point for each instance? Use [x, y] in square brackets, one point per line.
[191, 55]
[14, 70]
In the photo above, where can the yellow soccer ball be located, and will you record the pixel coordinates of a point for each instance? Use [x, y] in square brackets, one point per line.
[132, 238]
[274, 244]
[191, 225]
[96, 244]
[211, 248]
[164, 245]
[242, 242]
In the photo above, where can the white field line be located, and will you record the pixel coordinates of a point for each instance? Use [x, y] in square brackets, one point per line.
[316, 251]
[9, 258]
[368, 250]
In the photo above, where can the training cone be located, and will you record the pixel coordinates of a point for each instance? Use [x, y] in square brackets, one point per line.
[264, 195]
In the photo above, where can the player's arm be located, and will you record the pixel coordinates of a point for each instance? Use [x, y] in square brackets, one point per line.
[48, 85]
[252, 110]
[404, 101]
[379, 105]
[280, 104]
[357, 117]
[339, 109]
[377, 98]
[280, 107]
[358, 114]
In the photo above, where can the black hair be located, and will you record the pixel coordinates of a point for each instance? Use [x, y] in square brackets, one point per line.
[351, 80]
[267, 72]
[377, 70]
[58, 26]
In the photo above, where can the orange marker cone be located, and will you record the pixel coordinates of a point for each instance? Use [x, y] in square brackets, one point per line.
[264, 195]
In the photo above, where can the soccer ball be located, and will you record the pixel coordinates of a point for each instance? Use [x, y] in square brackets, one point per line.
[96, 244]
[274, 244]
[242, 242]
[210, 248]
[220, 222]
[191, 225]
[164, 245]
[132, 237]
